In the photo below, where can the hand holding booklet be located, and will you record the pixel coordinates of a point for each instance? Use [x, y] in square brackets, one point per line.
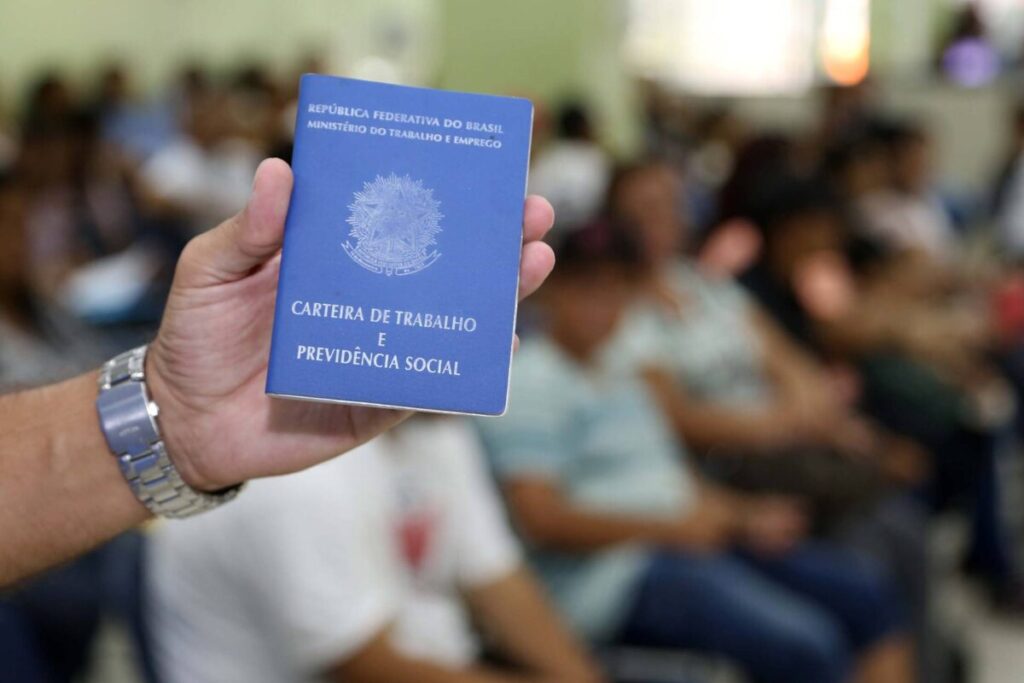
[400, 266]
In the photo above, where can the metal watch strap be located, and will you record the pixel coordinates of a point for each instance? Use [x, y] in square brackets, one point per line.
[128, 419]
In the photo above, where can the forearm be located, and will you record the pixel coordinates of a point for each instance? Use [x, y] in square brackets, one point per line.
[789, 367]
[61, 488]
[549, 518]
[714, 429]
[515, 614]
[703, 425]
[576, 529]
[870, 326]
[423, 671]
[379, 662]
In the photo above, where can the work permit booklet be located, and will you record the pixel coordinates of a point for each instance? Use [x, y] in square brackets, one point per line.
[400, 268]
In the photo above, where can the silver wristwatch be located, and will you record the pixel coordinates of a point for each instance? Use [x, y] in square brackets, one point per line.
[128, 419]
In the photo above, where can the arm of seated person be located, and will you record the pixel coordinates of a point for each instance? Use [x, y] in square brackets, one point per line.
[549, 518]
[379, 662]
[517, 616]
[798, 378]
[705, 425]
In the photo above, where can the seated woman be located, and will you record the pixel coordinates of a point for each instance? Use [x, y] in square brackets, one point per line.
[634, 547]
[729, 378]
[922, 368]
[762, 413]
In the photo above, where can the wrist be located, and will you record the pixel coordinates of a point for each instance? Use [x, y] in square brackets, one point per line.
[742, 509]
[174, 424]
[784, 425]
[129, 418]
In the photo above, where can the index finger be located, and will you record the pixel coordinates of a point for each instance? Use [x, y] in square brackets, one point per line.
[538, 217]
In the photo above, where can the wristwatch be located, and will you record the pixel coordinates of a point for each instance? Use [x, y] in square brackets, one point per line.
[129, 421]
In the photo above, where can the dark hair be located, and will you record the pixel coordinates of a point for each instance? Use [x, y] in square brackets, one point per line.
[38, 116]
[622, 174]
[790, 197]
[848, 149]
[574, 122]
[894, 134]
[760, 160]
[597, 244]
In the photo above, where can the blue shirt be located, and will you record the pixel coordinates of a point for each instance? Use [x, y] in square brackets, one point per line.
[709, 344]
[604, 443]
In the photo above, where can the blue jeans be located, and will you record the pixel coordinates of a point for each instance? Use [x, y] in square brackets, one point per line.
[798, 617]
[47, 626]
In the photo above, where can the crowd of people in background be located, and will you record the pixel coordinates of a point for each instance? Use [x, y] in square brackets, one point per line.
[767, 363]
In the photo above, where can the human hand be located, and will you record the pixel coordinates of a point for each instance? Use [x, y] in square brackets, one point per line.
[207, 367]
[772, 524]
[709, 527]
[856, 438]
[904, 461]
[789, 424]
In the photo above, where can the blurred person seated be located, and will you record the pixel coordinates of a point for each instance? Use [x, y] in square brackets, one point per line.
[904, 212]
[763, 156]
[860, 169]
[205, 174]
[49, 104]
[968, 56]
[729, 378]
[37, 343]
[761, 413]
[633, 546]
[717, 138]
[80, 205]
[368, 568]
[833, 291]
[111, 94]
[134, 126]
[138, 127]
[669, 122]
[572, 171]
[47, 624]
[8, 144]
[921, 371]
[844, 109]
[260, 105]
[1008, 199]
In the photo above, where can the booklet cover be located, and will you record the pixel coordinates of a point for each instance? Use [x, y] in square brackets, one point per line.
[400, 267]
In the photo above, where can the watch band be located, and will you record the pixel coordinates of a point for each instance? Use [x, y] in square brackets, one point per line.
[129, 421]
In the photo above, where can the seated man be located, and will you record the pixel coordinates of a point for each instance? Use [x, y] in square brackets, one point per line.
[633, 547]
[366, 568]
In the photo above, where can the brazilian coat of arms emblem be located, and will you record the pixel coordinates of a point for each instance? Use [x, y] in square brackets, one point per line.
[394, 224]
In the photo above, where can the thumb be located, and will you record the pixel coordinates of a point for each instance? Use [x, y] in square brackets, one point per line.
[248, 239]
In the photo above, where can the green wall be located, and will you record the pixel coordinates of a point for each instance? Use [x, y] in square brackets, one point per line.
[545, 49]
[155, 36]
[548, 49]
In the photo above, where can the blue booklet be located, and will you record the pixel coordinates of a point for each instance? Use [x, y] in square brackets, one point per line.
[400, 268]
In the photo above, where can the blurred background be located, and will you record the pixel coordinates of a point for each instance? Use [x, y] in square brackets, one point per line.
[849, 172]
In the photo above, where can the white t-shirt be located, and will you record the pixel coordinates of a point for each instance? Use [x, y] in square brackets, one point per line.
[1011, 218]
[909, 223]
[211, 184]
[573, 176]
[302, 571]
